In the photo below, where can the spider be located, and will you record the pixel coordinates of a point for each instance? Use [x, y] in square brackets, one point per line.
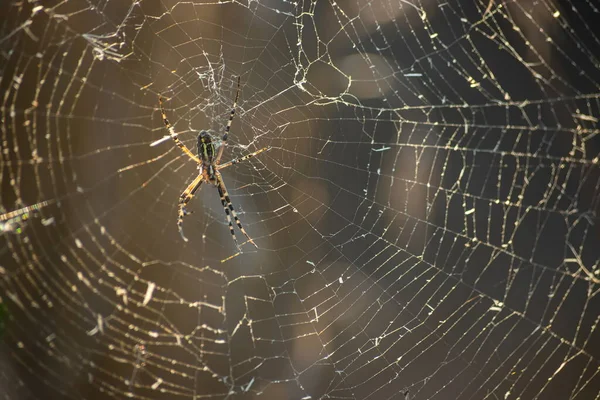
[208, 160]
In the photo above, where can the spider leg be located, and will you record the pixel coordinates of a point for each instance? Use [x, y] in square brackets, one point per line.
[228, 216]
[171, 130]
[228, 207]
[224, 140]
[239, 160]
[184, 199]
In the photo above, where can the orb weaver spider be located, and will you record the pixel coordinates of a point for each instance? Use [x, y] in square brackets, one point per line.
[208, 160]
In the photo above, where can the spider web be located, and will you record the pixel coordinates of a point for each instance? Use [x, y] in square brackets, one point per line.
[426, 216]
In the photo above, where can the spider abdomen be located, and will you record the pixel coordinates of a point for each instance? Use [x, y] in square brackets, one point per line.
[207, 153]
[206, 148]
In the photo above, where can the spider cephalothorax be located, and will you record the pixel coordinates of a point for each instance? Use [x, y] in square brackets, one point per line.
[208, 160]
